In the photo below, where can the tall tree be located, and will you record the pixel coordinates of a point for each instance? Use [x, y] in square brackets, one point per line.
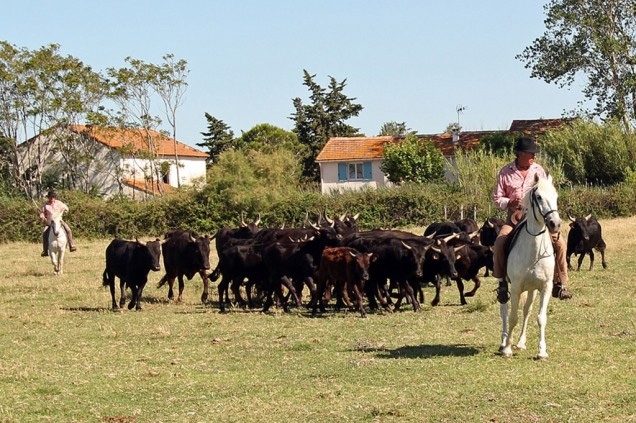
[218, 138]
[322, 119]
[596, 38]
[133, 91]
[394, 129]
[170, 83]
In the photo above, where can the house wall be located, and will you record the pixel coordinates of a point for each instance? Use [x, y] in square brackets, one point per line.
[330, 182]
[190, 168]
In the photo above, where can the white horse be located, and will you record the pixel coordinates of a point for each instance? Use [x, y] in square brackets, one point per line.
[530, 266]
[57, 243]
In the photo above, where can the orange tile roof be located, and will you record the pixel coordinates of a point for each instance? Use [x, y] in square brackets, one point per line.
[155, 188]
[536, 127]
[369, 148]
[119, 137]
[354, 148]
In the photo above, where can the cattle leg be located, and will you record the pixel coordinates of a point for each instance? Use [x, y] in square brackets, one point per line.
[284, 281]
[181, 287]
[133, 299]
[222, 287]
[204, 295]
[122, 293]
[591, 259]
[601, 249]
[477, 285]
[236, 291]
[358, 295]
[140, 291]
[438, 287]
[460, 288]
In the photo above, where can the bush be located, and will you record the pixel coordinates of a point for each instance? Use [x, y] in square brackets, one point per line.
[592, 153]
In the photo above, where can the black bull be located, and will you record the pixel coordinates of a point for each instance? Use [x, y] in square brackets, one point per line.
[130, 261]
[185, 253]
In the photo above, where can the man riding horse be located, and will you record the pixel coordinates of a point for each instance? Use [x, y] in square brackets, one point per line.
[513, 182]
[51, 207]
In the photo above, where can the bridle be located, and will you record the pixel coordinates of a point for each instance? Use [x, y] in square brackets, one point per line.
[535, 202]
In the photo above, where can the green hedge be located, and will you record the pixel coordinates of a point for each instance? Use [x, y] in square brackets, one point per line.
[411, 205]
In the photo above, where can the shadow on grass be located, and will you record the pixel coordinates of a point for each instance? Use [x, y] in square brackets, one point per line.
[428, 351]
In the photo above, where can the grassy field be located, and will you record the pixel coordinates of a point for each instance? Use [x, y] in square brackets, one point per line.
[66, 357]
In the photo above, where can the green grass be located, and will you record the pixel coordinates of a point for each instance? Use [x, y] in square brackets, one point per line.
[66, 357]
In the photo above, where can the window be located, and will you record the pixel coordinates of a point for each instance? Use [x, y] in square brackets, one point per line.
[360, 171]
[354, 171]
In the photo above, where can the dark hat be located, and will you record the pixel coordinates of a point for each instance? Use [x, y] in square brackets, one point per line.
[526, 145]
[51, 194]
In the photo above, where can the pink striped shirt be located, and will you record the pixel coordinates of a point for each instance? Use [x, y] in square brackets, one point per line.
[50, 208]
[511, 184]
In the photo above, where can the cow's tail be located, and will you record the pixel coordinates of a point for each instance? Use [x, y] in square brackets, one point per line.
[105, 278]
[215, 274]
[163, 281]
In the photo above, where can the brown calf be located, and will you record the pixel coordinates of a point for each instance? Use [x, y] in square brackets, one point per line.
[345, 269]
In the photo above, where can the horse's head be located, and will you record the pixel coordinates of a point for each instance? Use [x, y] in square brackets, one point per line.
[55, 223]
[541, 204]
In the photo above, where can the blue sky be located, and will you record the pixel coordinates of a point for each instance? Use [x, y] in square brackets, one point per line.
[404, 61]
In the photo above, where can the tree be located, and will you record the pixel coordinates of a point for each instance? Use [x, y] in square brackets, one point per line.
[413, 160]
[267, 138]
[218, 138]
[595, 38]
[394, 129]
[324, 118]
[170, 83]
[42, 91]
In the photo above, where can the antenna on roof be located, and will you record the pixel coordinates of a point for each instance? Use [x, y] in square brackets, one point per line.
[459, 109]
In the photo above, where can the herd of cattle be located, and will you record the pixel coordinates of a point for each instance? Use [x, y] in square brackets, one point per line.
[332, 258]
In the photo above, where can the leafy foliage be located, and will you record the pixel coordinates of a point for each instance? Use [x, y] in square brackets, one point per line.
[394, 129]
[592, 153]
[322, 119]
[269, 138]
[595, 38]
[413, 160]
[499, 144]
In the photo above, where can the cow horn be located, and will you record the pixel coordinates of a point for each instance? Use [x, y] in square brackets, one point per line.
[571, 218]
[588, 217]
[431, 236]
[330, 221]
[243, 224]
[406, 245]
[352, 254]
[459, 248]
[314, 226]
[258, 220]
[192, 239]
[437, 250]
[448, 238]
[489, 223]
[142, 243]
[356, 216]
[342, 218]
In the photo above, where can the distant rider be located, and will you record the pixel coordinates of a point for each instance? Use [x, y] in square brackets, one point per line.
[52, 206]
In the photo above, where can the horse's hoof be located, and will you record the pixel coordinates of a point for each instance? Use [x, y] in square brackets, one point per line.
[540, 357]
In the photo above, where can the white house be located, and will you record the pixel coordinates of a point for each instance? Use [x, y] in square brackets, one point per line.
[133, 162]
[353, 163]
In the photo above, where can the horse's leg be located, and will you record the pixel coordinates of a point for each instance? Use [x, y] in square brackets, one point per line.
[527, 298]
[513, 317]
[542, 319]
[503, 312]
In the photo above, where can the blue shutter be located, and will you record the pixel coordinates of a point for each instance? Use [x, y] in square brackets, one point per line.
[366, 170]
[342, 172]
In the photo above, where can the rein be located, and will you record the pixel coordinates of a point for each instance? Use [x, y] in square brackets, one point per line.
[535, 202]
